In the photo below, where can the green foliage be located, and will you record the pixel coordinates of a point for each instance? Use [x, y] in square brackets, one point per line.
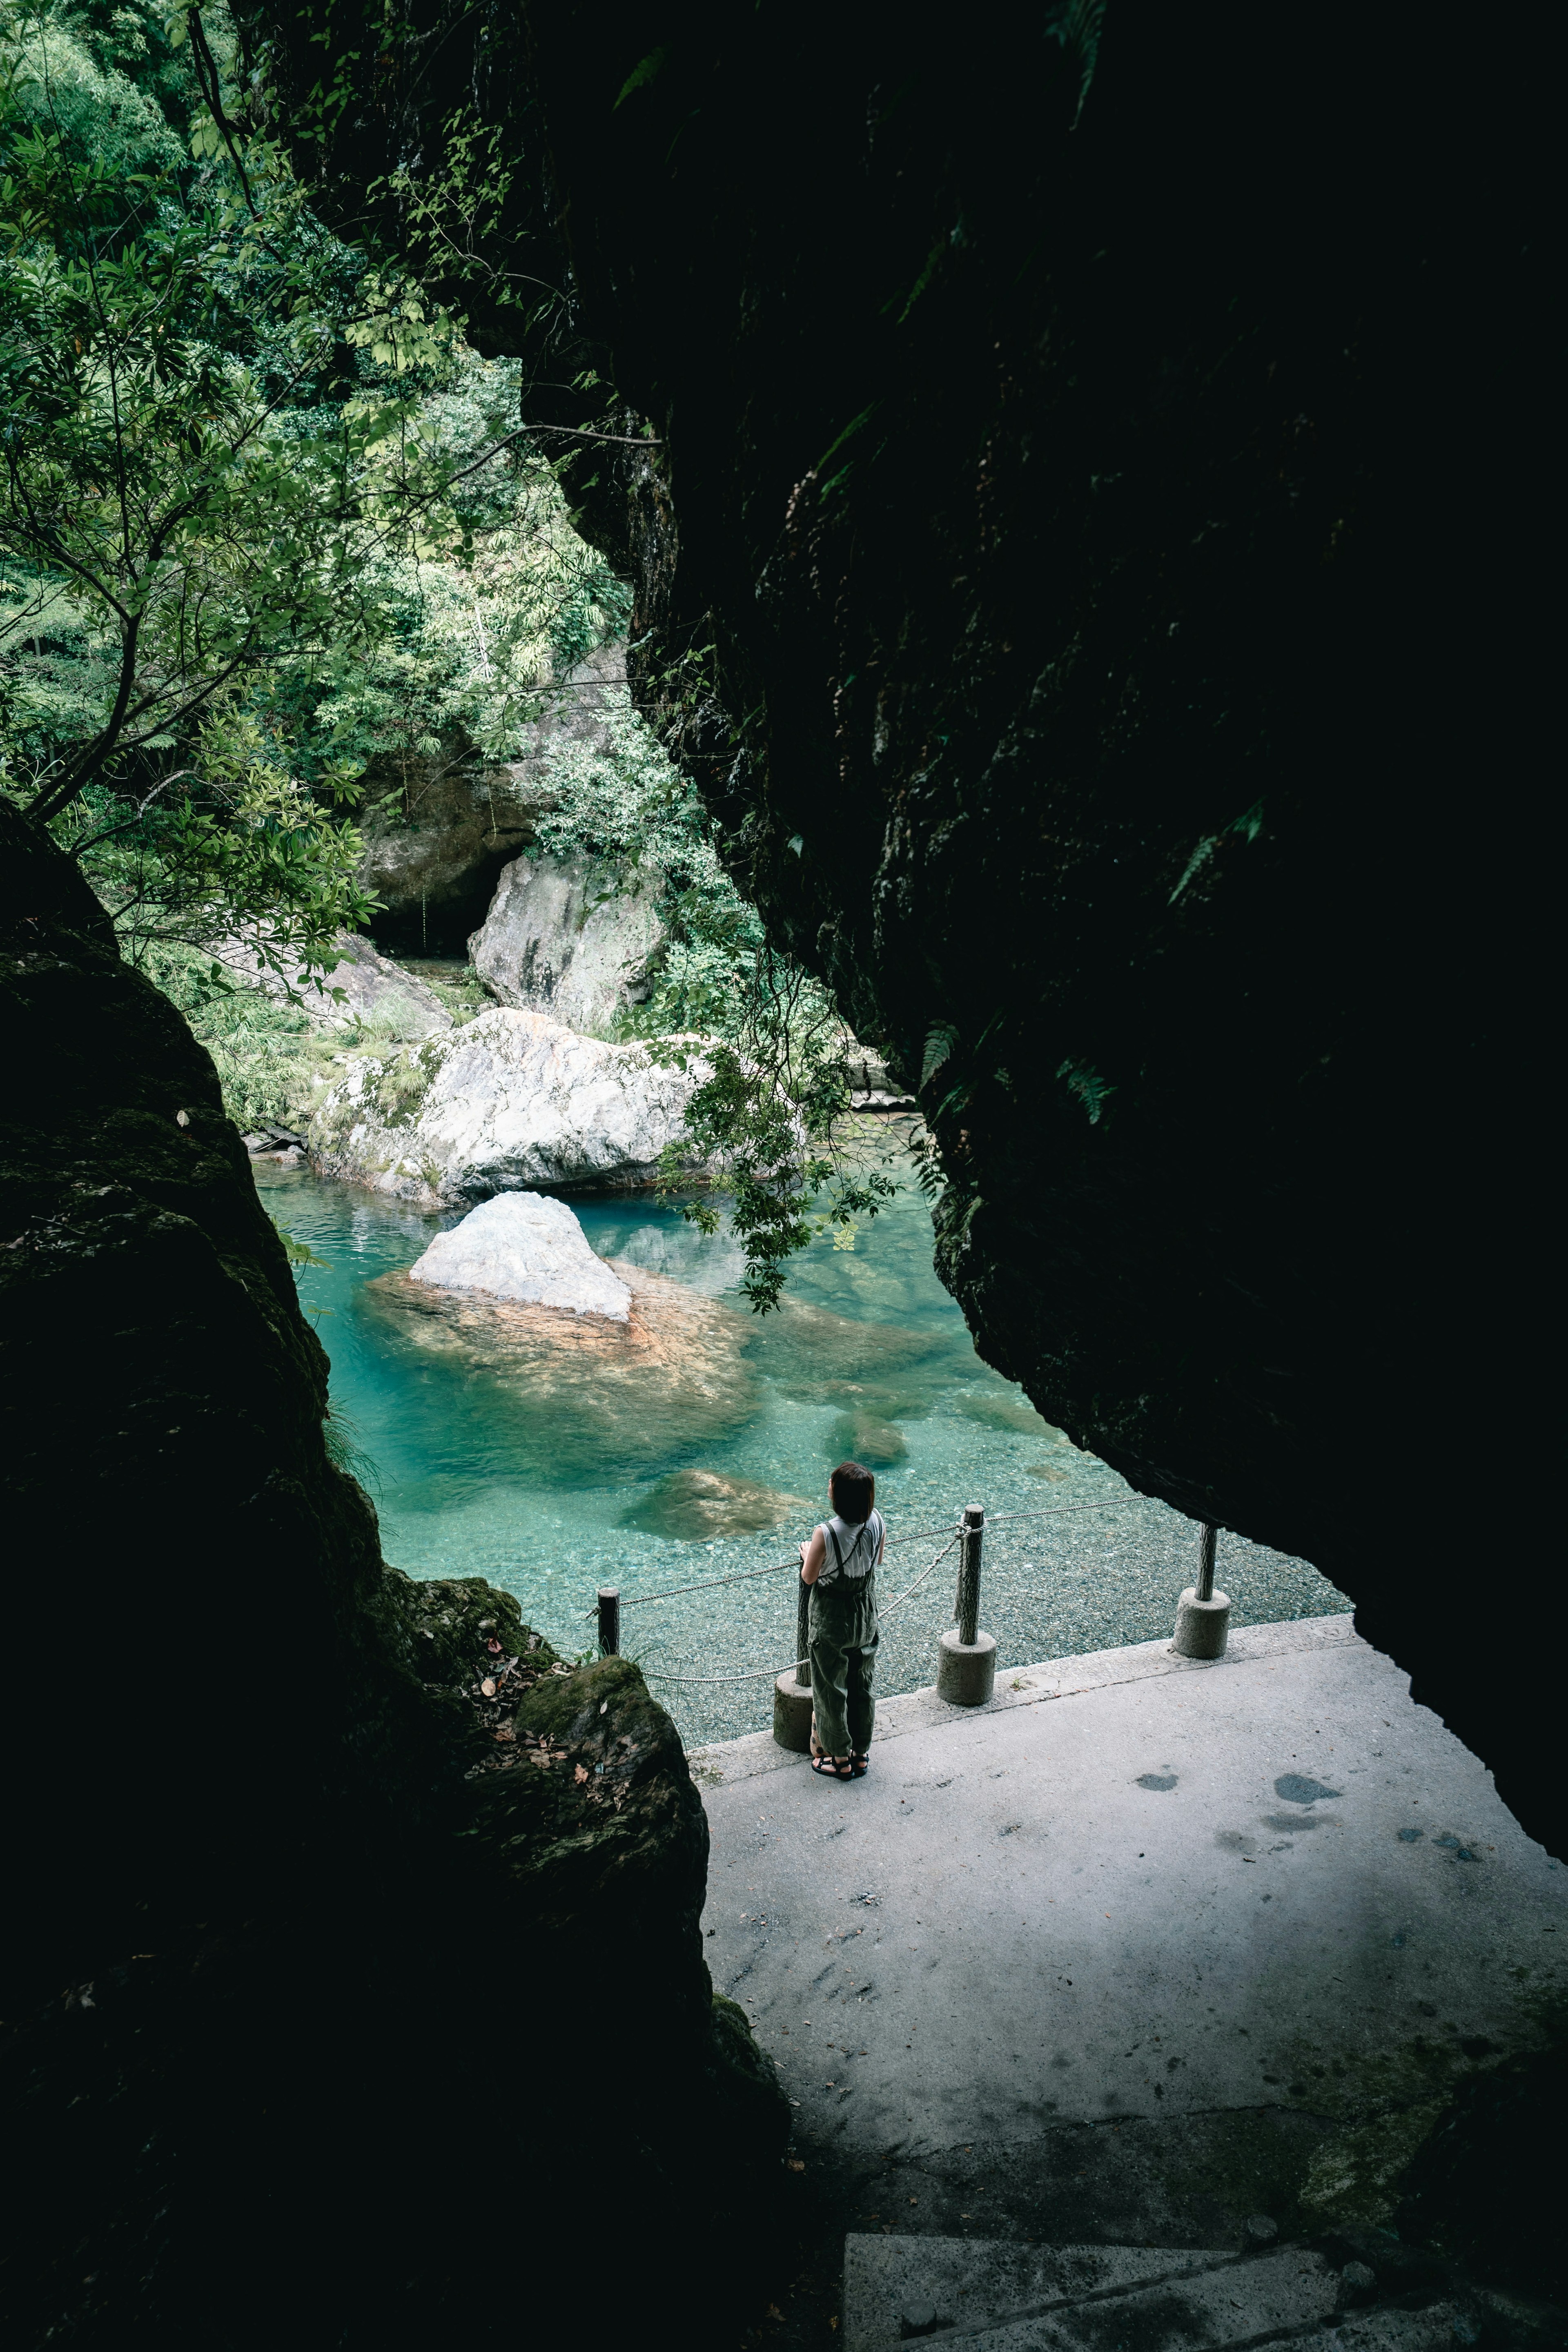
[267, 1057]
[297, 1252]
[268, 528]
[770, 1115]
[264, 519]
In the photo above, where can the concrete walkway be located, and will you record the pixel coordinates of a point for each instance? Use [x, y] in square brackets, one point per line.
[1134, 1887]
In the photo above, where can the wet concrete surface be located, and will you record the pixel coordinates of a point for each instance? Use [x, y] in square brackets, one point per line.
[1144, 1948]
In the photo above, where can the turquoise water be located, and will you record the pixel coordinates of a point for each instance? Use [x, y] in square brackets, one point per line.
[489, 1462]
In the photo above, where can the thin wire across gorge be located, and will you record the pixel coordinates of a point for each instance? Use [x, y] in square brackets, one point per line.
[746, 1575]
[760, 1674]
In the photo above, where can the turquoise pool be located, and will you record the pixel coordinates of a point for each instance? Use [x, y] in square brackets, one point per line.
[481, 1465]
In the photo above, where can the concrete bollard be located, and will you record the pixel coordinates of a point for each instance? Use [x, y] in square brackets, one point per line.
[966, 1671]
[792, 1692]
[1202, 1626]
[791, 1714]
[966, 1658]
[1203, 1615]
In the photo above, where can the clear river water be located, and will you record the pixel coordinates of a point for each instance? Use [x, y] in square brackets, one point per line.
[487, 1463]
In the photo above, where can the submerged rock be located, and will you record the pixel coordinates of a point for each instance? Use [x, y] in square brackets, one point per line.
[513, 1100]
[564, 1397]
[563, 936]
[866, 1437]
[692, 1505]
[524, 1247]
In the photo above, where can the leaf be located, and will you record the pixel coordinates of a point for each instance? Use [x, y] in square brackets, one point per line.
[940, 1039]
[581, 1774]
[487, 1687]
[652, 64]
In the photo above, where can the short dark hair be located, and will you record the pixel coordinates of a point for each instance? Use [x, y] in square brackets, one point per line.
[854, 1490]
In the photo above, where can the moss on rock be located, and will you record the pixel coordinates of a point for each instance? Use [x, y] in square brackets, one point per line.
[285, 1922]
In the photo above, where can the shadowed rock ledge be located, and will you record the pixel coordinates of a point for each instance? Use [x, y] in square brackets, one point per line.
[334, 1989]
[1097, 448]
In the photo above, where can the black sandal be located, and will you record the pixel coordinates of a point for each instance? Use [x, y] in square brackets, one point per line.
[859, 1761]
[833, 1768]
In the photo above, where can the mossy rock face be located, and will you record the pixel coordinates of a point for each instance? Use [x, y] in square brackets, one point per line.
[440, 1629]
[1116, 827]
[305, 1907]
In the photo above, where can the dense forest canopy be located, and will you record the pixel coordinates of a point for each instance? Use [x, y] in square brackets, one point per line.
[271, 525]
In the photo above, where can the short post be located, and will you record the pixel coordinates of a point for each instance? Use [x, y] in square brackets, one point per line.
[792, 1692]
[1203, 1615]
[609, 1621]
[966, 1658]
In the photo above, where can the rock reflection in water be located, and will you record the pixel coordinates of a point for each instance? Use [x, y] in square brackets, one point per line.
[586, 1394]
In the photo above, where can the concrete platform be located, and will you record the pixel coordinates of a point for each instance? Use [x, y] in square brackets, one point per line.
[997, 2297]
[1136, 1889]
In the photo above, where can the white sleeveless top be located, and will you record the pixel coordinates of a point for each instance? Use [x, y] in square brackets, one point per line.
[855, 1554]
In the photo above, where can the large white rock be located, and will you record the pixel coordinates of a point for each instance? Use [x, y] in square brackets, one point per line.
[512, 1100]
[365, 992]
[565, 936]
[524, 1247]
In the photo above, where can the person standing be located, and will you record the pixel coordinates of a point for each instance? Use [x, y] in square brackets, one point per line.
[840, 1564]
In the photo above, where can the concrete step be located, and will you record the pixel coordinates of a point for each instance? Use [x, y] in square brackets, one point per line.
[996, 2296]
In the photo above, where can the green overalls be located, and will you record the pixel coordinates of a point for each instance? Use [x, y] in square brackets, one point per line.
[843, 1651]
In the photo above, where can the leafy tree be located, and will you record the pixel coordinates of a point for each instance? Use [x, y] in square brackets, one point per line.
[262, 519]
[770, 1113]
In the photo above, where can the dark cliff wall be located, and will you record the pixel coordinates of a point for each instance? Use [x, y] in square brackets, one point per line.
[328, 2011]
[1102, 468]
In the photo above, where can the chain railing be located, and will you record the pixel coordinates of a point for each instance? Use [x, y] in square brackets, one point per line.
[966, 1655]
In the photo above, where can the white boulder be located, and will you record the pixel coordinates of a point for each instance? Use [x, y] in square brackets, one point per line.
[365, 991]
[528, 1247]
[566, 936]
[510, 1101]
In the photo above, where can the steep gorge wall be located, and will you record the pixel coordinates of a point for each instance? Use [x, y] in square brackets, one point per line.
[1097, 447]
[325, 2005]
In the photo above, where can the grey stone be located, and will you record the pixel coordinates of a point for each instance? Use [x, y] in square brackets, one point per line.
[510, 1101]
[872, 1085]
[1358, 2280]
[522, 1245]
[438, 829]
[365, 991]
[571, 937]
[1262, 2229]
